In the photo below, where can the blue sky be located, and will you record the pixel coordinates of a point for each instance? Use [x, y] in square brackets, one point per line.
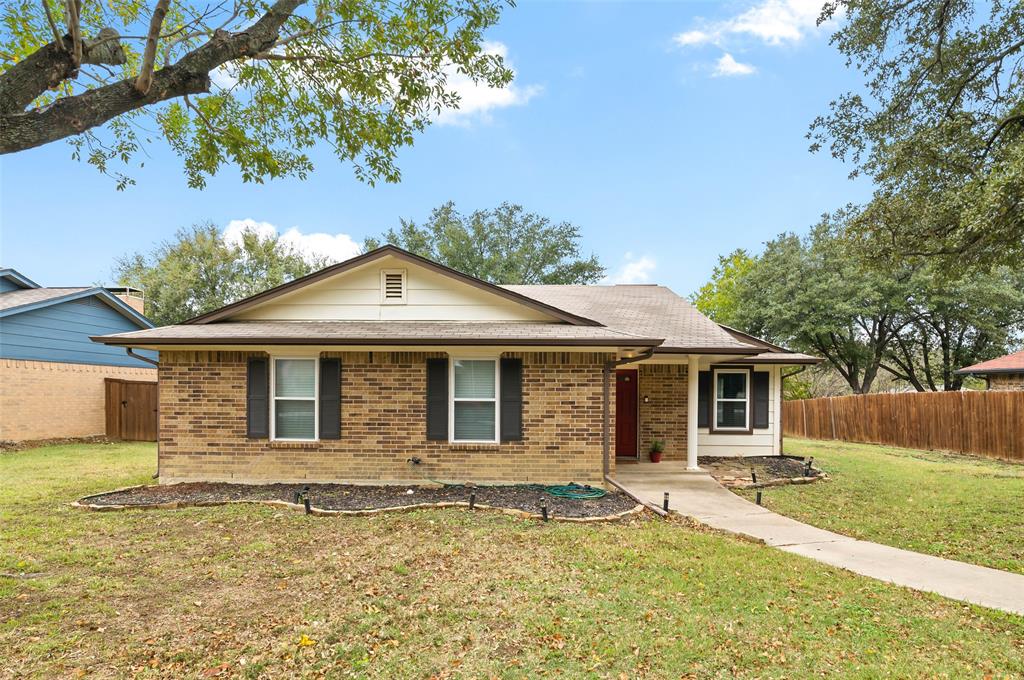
[669, 132]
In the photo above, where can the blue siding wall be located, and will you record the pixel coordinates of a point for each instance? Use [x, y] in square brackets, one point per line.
[6, 285]
[61, 333]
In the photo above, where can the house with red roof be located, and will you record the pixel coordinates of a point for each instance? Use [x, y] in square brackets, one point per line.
[1002, 373]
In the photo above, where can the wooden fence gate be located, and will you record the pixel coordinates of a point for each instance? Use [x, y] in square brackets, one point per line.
[131, 409]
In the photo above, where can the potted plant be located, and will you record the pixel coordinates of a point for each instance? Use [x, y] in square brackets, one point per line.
[657, 448]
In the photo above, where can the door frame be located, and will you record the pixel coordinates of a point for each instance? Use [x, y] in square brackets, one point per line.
[636, 381]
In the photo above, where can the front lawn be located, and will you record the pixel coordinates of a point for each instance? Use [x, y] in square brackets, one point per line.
[963, 508]
[249, 591]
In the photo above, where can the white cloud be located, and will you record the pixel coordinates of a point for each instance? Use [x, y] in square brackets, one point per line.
[773, 22]
[690, 38]
[477, 100]
[728, 67]
[224, 76]
[335, 247]
[633, 270]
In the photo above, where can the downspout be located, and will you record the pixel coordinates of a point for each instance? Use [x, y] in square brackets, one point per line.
[131, 353]
[606, 425]
[782, 384]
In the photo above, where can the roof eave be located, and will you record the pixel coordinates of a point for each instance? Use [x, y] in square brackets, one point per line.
[434, 342]
[112, 300]
[987, 371]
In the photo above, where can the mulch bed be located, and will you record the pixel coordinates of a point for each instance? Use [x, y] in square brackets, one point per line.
[357, 497]
[771, 470]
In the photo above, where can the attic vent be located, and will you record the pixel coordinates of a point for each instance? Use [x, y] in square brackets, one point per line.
[392, 286]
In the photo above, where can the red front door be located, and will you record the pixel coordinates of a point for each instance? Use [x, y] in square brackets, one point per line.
[625, 412]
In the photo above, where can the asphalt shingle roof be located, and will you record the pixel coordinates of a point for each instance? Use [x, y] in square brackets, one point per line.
[28, 296]
[381, 332]
[1011, 363]
[652, 311]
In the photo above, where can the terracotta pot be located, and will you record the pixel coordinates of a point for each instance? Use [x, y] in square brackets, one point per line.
[656, 456]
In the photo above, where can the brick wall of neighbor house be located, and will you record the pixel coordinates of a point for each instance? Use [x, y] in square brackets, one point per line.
[1006, 381]
[45, 400]
[664, 415]
[383, 424]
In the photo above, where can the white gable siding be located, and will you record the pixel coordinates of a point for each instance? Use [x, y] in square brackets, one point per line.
[356, 296]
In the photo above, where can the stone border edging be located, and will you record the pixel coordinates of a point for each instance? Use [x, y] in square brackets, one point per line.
[83, 504]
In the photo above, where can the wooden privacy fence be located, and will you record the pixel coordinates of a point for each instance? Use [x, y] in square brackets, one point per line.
[987, 423]
[131, 409]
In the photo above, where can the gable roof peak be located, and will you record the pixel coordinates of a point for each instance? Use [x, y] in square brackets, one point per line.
[402, 254]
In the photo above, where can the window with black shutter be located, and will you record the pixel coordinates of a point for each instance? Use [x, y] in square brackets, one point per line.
[761, 396]
[257, 393]
[511, 400]
[703, 398]
[330, 399]
[437, 399]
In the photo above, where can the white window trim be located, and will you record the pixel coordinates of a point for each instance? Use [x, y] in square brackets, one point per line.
[384, 299]
[274, 398]
[452, 399]
[747, 399]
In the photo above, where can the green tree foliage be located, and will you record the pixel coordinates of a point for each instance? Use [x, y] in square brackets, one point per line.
[909, 318]
[506, 245]
[198, 271]
[718, 299]
[810, 295]
[939, 127]
[253, 83]
[952, 323]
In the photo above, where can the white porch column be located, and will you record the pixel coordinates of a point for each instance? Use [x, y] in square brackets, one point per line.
[692, 376]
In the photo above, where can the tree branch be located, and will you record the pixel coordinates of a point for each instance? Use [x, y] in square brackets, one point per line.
[190, 75]
[75, 31]
[51, 65]
[156, 22]
[53, 24]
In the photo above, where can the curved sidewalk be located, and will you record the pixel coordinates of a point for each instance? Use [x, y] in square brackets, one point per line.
[699, 496]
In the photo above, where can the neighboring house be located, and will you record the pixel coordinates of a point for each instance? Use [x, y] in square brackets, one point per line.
[51, 374]
[1003, 373]
[391, 368]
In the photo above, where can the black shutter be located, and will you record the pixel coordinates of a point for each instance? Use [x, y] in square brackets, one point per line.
[760, 392]
[703, 398]
[330, 399]
[511, 400]
[437, 399]
[257, 393]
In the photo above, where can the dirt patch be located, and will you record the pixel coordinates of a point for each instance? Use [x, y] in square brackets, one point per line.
[526, 498]
[7, 446]
[769, 470]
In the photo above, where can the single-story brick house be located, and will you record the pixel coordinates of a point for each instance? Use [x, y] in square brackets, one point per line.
[1002, 373]
[392, 368]
[51, 374]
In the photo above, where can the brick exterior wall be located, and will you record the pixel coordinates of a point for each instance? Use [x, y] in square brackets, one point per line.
[383, 424]
[664, 416]
[46, 400]
[1006, 381]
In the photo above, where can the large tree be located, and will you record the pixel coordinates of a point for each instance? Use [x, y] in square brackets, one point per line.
[255, 83]
[506, 245]
[199, 271]
[939, 126]
[811, 295]
[955, 322]
[718, 299]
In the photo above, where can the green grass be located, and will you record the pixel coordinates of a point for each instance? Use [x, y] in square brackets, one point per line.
[959, 507]
[441, 593]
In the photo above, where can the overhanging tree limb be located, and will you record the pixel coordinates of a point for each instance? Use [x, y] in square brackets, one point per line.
[189, 75]
[156, 22]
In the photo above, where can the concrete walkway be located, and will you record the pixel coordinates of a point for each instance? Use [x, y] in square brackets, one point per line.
[699, 496]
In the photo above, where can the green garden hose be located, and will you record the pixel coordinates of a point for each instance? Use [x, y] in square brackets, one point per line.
[572, 490]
